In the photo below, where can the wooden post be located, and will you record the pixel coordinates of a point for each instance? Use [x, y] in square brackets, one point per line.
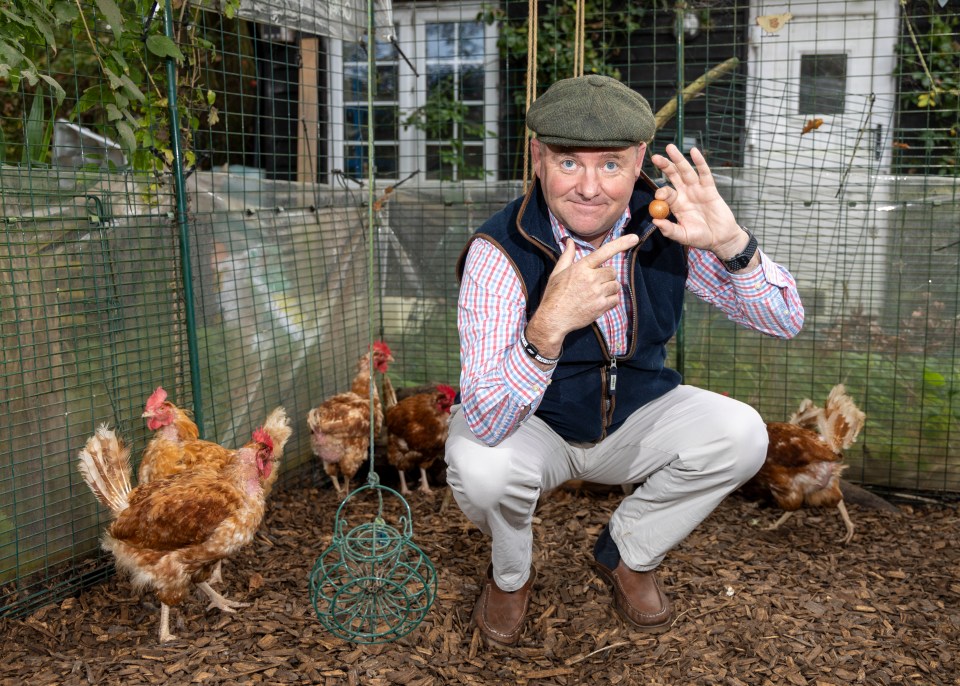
[308, 111]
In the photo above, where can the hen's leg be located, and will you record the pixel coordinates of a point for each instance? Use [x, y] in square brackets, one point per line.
[165, 634]
[776, 524]
[217, 600]
[216, 577]
[846, 520]
[403, 483]
[424, 484]
[336, 483]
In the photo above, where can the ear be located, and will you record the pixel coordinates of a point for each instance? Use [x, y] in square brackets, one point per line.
[536, 154]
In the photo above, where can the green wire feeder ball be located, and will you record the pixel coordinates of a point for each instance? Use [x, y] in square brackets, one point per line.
[372, 584]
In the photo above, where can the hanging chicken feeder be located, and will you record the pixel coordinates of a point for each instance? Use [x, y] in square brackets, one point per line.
[373, 584]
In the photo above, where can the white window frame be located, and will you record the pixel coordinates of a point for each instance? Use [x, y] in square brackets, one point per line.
[410, 22]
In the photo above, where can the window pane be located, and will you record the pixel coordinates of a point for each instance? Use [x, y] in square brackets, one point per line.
[355, 123]
[387, 82]
[473, 123]
[354, 81]
[440, 80]
[387, 156]
[471, 39]
[354, 52]
[437, 170]
[473, 162]
[472, 83]
[385, 50]
[823, 84]
[385, 123]
[441, 41]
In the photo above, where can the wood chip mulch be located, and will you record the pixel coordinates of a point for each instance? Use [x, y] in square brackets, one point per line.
[792, 606]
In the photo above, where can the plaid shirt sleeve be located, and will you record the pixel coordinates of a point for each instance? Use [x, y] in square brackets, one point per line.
[765, 299]
[500, 386]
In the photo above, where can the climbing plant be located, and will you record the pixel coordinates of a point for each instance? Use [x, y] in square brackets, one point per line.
[929, 140]
[127, 91]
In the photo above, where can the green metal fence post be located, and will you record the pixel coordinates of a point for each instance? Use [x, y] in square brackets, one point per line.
[182, 224]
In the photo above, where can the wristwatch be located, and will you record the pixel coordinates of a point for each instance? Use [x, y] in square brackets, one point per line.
[742, 259]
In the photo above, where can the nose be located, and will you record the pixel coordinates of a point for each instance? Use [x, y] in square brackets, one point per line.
[588, 185]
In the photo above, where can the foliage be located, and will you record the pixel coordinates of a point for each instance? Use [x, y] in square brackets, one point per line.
[606, 26]
[930, 72]
[129, 48]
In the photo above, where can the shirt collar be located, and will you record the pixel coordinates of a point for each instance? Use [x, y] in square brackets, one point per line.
[560, 232]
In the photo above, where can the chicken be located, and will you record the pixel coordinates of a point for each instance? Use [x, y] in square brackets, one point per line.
[169, 534]
[803, 466]
[340, 425]
[417, 432]
[176, 446]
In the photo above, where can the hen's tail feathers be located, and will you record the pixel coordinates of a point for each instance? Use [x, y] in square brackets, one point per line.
[277, 425]
[105, 466]
[841, 421]
[807, 415]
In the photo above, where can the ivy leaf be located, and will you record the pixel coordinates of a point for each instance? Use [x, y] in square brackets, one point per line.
[211, 97]
[161, 46]
[131, 88]
[114, 79]
[127, 139]
[58, 91]
[113, 15]
[10, 56]
[113, 112]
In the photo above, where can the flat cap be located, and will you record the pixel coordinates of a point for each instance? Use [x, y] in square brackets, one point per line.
[591, 111]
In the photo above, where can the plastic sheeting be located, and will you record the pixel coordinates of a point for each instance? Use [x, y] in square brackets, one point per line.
[343, 19]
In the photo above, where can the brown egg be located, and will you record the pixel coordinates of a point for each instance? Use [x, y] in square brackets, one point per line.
[659, 209]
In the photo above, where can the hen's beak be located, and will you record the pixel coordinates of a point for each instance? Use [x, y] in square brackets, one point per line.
[147, 414]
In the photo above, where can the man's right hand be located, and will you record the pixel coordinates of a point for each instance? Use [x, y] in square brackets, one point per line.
[577, 293]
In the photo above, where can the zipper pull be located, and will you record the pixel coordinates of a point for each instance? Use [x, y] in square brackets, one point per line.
[613, 377]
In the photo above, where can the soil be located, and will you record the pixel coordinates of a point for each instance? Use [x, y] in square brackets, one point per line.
[791, 606]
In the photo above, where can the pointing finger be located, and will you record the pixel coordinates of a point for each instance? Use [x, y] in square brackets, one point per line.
[566, 258]
[608, 250]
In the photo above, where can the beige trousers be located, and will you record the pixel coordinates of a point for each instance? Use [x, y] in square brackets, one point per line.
[687, 451]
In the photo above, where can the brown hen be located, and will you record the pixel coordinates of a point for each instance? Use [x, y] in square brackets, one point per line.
[169, 534]
[803, 466]
[417, 431]
[340, 425]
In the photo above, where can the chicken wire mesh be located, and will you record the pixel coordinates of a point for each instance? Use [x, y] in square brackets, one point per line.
[232, 263]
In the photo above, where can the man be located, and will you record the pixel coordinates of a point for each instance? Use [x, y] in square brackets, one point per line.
[568, 298]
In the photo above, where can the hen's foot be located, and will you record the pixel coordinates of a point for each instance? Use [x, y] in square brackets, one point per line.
[218, 601]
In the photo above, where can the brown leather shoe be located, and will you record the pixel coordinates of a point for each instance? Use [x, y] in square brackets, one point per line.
[637, 597]
[500, 614]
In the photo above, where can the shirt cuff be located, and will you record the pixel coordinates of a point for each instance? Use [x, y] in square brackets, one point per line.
[525, 380]
[755, 283]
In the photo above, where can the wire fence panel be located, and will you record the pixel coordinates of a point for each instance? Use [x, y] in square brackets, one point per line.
[233, 201]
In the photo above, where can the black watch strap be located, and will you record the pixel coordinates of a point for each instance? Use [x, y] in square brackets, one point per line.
[742, 259]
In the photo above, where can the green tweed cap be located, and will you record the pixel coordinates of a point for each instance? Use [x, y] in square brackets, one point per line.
[591, 111]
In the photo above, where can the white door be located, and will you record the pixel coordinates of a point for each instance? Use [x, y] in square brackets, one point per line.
[821, 91]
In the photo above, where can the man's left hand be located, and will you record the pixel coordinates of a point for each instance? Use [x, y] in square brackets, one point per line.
[704, 220]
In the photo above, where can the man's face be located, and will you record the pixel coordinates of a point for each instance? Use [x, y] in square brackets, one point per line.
[587, 189]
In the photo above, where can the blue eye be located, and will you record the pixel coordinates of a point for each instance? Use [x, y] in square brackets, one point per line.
[611, 166]
[568, 164]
